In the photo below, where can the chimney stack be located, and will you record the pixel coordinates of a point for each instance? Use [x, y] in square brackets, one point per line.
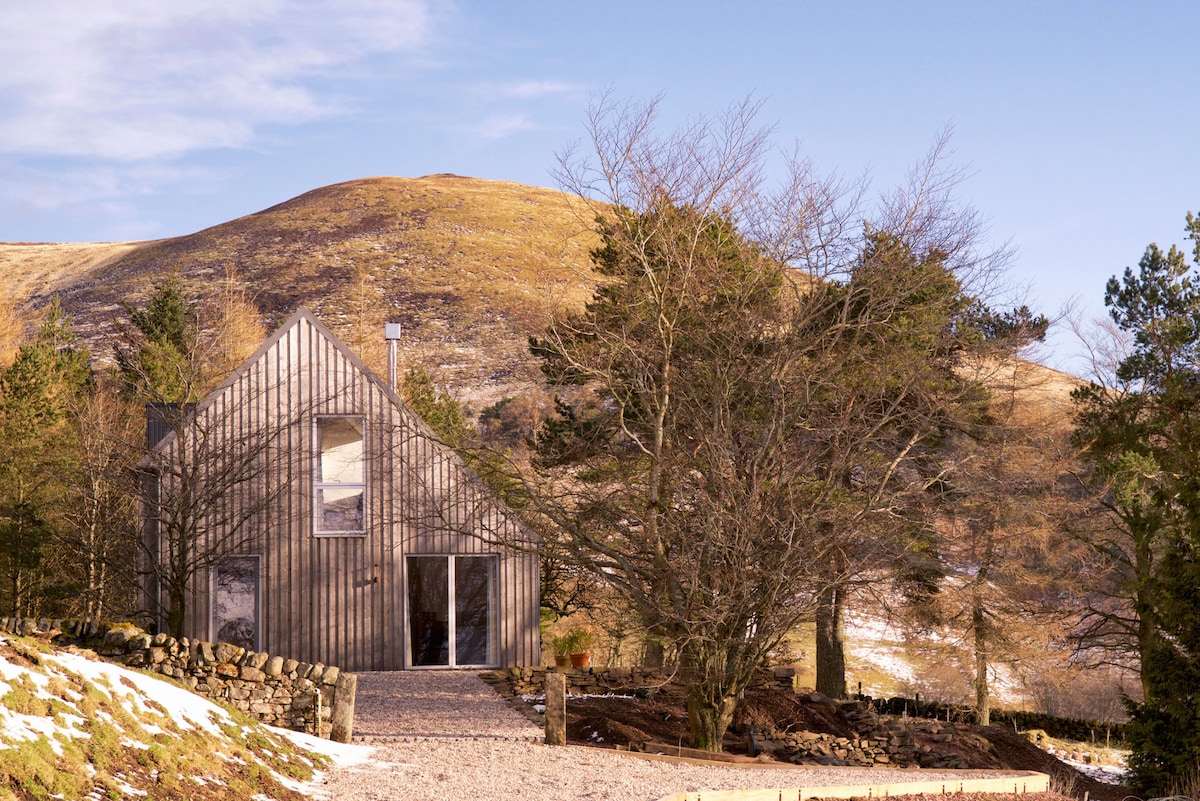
[391, 332]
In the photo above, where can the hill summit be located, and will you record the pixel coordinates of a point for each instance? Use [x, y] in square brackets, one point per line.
[468, 267]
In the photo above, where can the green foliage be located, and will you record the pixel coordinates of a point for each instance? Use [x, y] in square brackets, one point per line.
[436, 407]
[39, 393]
[157, 356]
[1163, 731]
[574, 641]
[1142, 440]
[739, 434]
[1006, 324]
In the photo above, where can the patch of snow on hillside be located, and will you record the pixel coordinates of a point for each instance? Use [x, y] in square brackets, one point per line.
[145, 697]
[880, 643]
[341, 755]
[134, 690]
[876, 641]
[1004, 684]
[17, 727]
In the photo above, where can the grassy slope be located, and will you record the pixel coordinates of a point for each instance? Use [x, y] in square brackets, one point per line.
[469, 267]
[73, 727]
[31, 268]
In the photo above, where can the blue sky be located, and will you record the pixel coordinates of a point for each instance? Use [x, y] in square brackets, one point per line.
[132, 119]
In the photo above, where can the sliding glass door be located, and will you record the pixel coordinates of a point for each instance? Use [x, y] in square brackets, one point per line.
[451, 611]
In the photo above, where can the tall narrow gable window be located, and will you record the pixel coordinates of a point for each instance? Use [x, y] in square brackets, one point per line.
[340, 477]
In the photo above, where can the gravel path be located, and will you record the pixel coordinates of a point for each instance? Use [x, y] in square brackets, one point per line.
[439, 704]
[448, 735]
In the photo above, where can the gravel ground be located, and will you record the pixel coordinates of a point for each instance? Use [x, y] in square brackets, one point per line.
[448, 735]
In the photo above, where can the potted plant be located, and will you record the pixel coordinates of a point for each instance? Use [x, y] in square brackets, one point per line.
[579, 645]
[561, 645]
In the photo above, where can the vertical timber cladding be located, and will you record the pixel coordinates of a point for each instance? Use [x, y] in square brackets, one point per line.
[340, 598]
[448, 511]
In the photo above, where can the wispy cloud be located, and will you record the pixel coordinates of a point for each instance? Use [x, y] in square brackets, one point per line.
[528, 90]
[146, 79]
[95, 195]
[499, 126]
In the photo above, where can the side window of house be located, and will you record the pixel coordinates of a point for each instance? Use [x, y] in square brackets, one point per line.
[340, 476]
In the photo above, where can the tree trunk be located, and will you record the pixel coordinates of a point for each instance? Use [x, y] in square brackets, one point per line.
[1143, 607]
[653, 653]
[831, 643]
[983, 709]
[708, 720]
[176, 612]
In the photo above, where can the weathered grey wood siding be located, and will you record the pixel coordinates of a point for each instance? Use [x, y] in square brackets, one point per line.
[341, 599]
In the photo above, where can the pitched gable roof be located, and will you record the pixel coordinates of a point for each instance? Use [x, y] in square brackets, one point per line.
[301, 316]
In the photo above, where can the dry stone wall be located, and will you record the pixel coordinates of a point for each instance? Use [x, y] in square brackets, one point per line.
[272, 689]
[593, 681]
[886, 741]
[877, 740]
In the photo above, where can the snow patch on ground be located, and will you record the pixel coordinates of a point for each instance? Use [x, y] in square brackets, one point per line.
[877, 641]
[51, 681]
[1109, 774]
[135, 690]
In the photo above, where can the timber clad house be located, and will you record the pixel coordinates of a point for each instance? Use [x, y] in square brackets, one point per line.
[328, 524]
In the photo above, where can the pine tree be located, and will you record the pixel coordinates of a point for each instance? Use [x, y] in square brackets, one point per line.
[38, 393]
[1141, 436]
[158, 356]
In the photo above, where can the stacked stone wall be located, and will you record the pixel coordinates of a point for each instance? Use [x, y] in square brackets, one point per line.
[877, 739]
[272, 689]
[1077, 729]
[598, 681]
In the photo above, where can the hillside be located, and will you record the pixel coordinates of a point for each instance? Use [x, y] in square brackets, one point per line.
[469, 268]
[75, 727]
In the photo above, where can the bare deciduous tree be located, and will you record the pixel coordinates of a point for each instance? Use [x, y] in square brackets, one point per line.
[761, 374]
[1001, 502]
[205, 490]
[102, 517]
[204, 482]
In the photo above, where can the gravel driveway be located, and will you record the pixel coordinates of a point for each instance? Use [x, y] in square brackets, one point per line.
[433, 703]
[448, 735]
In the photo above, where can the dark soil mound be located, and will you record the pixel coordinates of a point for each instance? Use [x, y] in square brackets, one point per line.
[662, 717]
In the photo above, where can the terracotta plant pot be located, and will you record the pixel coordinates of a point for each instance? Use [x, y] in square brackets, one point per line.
[581, 660]
[562, 660]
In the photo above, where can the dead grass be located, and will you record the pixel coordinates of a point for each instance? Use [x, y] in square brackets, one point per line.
[31, 268]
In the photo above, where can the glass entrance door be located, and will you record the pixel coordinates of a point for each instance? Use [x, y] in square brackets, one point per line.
[451, 611]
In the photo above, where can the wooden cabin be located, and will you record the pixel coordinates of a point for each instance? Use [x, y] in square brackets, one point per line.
[325, 522]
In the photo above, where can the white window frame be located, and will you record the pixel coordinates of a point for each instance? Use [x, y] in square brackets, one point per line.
[318, 486]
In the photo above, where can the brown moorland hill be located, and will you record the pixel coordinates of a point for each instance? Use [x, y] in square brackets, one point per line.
[469, 268]
[39, 268]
